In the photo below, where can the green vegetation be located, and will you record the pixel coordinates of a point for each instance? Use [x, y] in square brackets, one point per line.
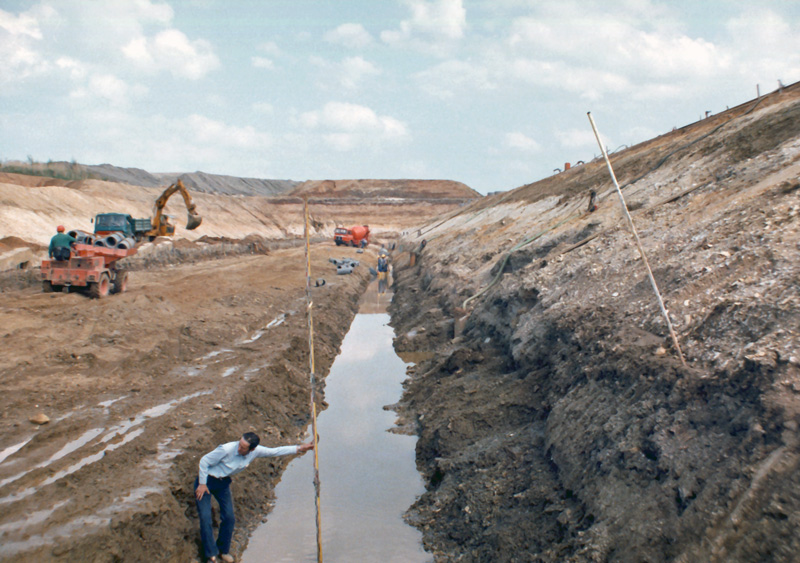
[61, 170]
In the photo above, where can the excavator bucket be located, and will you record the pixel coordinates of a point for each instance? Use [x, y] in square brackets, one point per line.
[193, 222]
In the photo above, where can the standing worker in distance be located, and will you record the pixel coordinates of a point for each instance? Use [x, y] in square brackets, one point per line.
[60, 244]
[216, 468]
[383, 272]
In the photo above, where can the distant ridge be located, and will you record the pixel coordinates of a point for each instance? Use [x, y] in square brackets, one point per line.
[228, 185]
[397, 189]
[133, 176]
[353, 191]
[197, 181]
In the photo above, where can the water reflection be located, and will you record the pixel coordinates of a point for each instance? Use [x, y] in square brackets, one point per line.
[368, 475]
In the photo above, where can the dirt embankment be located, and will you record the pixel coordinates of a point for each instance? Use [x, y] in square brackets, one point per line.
[138, 386]
[400, 190]
[33, 206]
[555, 419]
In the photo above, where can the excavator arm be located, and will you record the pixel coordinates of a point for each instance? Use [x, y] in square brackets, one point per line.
[159, 224]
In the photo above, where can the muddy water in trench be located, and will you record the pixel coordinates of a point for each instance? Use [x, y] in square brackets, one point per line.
[368, 475]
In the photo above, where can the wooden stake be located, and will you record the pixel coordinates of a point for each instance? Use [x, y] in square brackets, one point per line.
[638, 242]
[309, 309]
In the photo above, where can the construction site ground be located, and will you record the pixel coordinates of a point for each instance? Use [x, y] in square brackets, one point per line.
[556, 420]
[138, 386]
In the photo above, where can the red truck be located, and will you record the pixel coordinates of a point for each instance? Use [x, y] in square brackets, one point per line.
[354, 236]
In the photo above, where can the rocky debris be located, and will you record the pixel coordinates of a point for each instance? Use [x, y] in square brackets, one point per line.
[555, 420]
[39, 418]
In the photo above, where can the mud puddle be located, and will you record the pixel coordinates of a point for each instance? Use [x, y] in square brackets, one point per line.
[368, 475]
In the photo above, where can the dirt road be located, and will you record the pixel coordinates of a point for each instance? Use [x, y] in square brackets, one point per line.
[138, 386]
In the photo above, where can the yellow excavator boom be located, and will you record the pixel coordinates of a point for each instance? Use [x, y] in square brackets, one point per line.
[160, 224]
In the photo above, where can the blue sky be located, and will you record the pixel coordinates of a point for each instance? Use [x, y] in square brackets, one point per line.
[492, 93]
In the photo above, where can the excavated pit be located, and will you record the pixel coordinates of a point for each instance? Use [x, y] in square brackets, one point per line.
[555, 420]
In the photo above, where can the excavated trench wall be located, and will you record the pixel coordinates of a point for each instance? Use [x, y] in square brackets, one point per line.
[555, 419]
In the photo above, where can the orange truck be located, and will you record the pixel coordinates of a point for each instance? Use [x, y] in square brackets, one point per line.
[354, 236]
[90, 268]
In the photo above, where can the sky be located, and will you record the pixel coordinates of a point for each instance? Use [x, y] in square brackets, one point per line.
[491, 93]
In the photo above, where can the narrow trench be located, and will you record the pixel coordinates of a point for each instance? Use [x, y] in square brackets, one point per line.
[368, 475]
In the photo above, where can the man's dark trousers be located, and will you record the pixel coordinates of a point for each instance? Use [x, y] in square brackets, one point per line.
[221, 489]
[61, 253]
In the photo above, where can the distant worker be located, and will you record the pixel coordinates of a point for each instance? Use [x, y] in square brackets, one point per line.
[61, 244]
[383, 272]
[216, 468]
[592, 201]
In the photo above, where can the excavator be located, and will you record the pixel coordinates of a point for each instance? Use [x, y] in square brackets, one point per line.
[92, 265]
[149, 228]
[160, 225]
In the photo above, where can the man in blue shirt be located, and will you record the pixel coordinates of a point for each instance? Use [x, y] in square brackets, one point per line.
[214, 479]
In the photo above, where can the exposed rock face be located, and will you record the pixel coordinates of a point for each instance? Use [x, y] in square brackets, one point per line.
[556, 421]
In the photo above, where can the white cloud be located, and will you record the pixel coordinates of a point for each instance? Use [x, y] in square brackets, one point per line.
[352, 35]
[83, 37]
[102, 28]
[434, 26]
[588, 83]
[594, 49]
[172, 51]
[106, 89]
[20, 44]
[347, 74]
[262, 62]
[108, 86]
[521, 142]
[207, 131]
[766, 47]
[76, 69]
[26, 24]
[614, 44]
[347, 126]
[193, 142]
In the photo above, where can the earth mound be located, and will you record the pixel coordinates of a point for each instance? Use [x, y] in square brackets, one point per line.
[386, 189]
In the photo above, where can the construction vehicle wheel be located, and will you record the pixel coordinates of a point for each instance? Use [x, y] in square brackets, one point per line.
[101, 288]
[47, 286]
[120, 283]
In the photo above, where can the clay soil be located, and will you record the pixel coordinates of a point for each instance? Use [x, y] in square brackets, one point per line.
[138, 386]
[556, 420]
